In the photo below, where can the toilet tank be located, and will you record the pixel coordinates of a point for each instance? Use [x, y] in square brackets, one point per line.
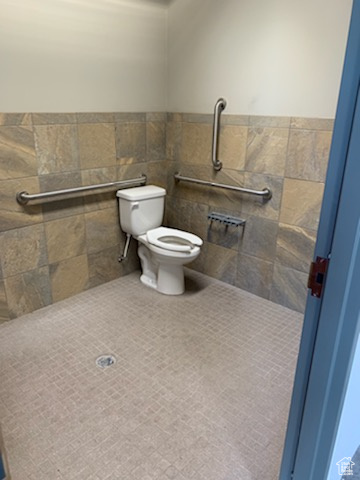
[141, 208]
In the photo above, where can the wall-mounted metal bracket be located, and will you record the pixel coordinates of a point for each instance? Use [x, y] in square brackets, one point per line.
[227, 220]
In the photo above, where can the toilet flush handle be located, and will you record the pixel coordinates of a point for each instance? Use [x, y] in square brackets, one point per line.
[134, 205]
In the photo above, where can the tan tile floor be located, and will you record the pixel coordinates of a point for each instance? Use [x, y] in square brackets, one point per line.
[200, 390]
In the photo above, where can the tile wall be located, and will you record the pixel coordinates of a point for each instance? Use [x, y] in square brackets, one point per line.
[52, 251]
[270, 256]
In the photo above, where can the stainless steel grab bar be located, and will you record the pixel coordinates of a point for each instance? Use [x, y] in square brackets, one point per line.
[265, 193]
[219, 107]
[24, 197]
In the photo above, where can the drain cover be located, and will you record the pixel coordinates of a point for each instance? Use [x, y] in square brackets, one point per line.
[105, 361]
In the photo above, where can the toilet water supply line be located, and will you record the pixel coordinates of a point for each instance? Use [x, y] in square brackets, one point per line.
[219, 107]
[126, 248]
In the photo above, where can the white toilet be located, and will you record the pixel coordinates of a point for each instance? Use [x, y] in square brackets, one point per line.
[162, 251]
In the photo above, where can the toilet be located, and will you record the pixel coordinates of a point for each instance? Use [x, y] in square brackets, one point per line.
[162, 251]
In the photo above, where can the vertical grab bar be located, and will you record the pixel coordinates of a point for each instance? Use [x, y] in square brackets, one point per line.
[219, 107]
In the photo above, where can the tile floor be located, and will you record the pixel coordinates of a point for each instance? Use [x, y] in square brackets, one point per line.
[200, 389]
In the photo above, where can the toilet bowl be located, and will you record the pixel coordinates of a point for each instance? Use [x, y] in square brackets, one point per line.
[162, 251]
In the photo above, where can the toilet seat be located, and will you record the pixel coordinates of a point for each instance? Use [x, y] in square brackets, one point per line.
[173, 239]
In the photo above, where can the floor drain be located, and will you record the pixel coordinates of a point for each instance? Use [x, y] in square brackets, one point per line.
[105, 361]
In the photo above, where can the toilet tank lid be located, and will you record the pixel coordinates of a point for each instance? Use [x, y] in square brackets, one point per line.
[141, 193]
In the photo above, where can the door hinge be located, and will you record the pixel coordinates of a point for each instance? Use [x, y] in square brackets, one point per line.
[317, 276]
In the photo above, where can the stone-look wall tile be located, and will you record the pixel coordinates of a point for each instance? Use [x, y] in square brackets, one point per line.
[198, 118]
[96, 145]
[156, 173]
[308, 155]
[56, 148]
[69, 277]
[95, 117]
[173, 141]
[223, 198]
[295, 247]
[134, 170]
[156, 116]
[266, 150]
[12, 214]
[234, 120]
[28, 291]
[232, 146]
[174, 117]
[65, 238]
[253, 205]
[155, 141]
[266, 158]
[254, 275]
[312, 123]
[187, 216]
[53, 118]
[189, 191]
[188, 150]
[99, 199]
[259, 239]
[66, 207]
[4, 310]
[23, 249]
[177, 213]
[266, 121]
[301, 203]
[102, 229]
[196, 144]
[104, 265]
[17, 152]
[220, 263]
[130, 143]
[15, 119]
[289, 288]
[198, 220]
[132, 117]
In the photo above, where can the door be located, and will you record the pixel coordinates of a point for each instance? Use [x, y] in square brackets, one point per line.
[338, 329]
[318, 394]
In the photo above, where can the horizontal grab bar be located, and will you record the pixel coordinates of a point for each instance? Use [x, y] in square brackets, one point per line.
[265, 193]
[24, 197]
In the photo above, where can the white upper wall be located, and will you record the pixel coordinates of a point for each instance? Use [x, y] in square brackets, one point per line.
[266, 57]
[82, 55]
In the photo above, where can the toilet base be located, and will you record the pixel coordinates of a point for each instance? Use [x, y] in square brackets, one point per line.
[148, 282]
[170, 279]
[166, 278]
[148, 266]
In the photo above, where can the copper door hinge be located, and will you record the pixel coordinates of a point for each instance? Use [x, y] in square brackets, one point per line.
[317, 276]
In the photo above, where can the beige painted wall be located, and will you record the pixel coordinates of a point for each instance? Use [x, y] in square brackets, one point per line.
[266, 57]
[275, 57]
[84, 55]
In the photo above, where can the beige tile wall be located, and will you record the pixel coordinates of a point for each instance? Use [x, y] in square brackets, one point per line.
[270, 256]
[52, 251]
